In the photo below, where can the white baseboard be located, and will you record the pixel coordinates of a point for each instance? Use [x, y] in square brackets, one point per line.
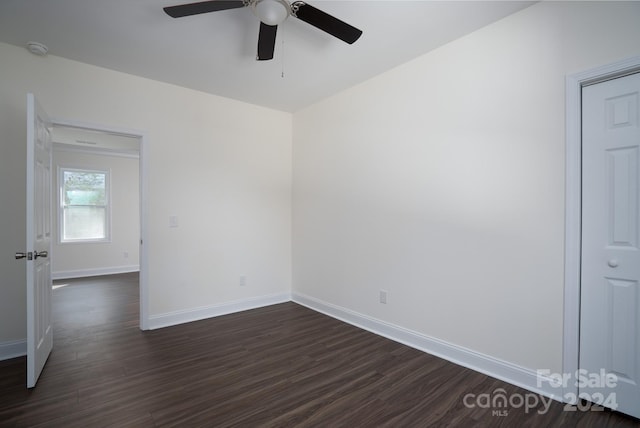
[13, 349]
[196, 314]
[81, 273]
[494, 367]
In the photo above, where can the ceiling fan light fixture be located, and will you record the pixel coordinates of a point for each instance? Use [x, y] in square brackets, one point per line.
[272, 12]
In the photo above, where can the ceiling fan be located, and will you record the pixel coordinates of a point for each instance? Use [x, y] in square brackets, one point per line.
[272, 13]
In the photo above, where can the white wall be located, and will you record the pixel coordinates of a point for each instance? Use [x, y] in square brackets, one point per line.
[223, 167]
[442, 182]
[77, 259]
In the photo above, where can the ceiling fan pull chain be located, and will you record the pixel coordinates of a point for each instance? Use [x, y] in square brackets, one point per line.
[282, 75]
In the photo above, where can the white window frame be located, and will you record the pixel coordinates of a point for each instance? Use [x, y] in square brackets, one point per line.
[107, 183]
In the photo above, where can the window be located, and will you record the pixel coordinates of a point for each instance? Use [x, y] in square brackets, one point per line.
[84, 205]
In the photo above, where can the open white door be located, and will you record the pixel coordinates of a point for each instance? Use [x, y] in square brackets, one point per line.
[39, 174]
[610, 284]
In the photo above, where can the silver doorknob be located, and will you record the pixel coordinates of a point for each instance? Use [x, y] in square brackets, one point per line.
[613, 263]
[39, 254]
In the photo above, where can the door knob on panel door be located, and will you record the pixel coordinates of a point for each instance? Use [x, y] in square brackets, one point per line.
[40, 254]
[613, 263]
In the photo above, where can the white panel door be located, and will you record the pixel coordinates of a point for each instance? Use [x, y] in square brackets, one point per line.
[39, 173]
[610, 290]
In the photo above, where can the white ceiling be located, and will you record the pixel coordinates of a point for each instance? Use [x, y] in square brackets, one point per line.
[215, 52]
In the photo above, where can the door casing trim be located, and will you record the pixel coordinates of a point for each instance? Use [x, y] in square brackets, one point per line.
[573, 207]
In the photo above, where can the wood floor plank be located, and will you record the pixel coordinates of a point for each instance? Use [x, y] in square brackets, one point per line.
[278, 366]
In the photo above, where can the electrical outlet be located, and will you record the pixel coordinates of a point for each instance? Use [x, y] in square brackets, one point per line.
[173, 221]
[125, 254]
[383, 296]
[243, 280]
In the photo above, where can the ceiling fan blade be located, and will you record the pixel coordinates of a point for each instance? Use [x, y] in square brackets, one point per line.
[325, 22]
[202, 7]
[266, 41]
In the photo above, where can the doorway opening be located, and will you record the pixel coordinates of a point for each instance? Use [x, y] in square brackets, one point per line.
[115, 156]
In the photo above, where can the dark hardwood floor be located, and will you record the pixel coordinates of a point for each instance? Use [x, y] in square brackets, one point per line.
[279, 366]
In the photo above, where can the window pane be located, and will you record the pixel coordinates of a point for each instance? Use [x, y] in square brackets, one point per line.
[84, 213]
[84, 222]
[84, 188]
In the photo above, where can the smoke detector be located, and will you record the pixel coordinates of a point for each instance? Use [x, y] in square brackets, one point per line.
[37, 48]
